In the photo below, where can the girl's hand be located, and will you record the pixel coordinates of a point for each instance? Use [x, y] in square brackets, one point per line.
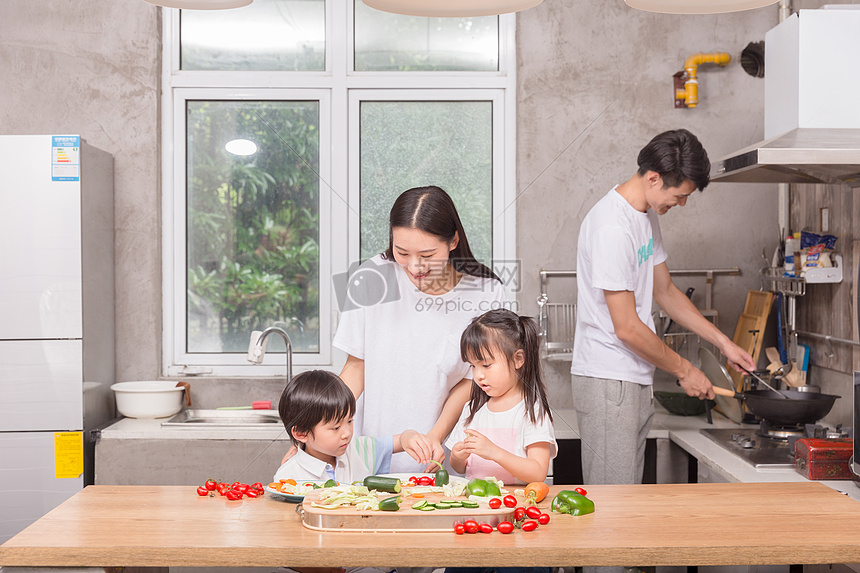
[458, 452]
[480, 445]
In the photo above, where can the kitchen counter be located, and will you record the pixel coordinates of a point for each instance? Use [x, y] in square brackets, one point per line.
[660, 524]
[681, 430]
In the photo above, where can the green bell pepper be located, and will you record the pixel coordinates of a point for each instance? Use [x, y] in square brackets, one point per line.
[572, 503]
[483, 488]
[330, 483]
[442, 476]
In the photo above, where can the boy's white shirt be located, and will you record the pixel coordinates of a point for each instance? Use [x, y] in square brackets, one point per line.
[365, 456]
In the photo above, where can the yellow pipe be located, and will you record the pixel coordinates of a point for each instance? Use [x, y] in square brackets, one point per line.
[690, 93]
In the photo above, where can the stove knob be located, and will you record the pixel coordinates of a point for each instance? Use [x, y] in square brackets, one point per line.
[747, 444]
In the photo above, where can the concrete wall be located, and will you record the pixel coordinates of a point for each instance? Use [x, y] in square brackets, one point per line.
[92, 68]
[594, 85]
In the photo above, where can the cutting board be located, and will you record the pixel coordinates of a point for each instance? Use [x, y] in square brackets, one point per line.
[406, 519]
[749, 331]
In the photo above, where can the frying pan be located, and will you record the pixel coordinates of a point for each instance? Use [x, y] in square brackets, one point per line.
[799, 408]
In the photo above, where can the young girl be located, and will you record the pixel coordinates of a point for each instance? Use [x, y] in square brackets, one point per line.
[505, 430]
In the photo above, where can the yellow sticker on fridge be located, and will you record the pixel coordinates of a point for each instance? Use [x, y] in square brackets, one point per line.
[68, 454]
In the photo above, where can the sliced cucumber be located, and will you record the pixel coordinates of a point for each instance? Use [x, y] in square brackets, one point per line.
[469, 504]
[419, 504]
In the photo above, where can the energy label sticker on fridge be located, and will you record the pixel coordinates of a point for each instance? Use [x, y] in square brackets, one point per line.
[66, 158]
[68, 454]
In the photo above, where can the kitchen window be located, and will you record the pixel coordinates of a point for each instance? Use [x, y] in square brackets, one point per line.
[288, 132]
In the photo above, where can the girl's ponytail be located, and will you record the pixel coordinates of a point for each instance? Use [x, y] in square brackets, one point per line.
[531, 372]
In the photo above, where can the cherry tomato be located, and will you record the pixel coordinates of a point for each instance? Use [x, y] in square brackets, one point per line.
[234, 484]
[459, 528]
[529, 525]
[543, 518]
[425, 480]
[201, 491]
[495, 503]
[520, 513]
[505, 527]
[252, 493]
[486, 528]
[222, 488]
[210, 484]
[533, 512]
[412, 480]
[581, 491]
[257, 485]
[510, 501]
[471, 526]
[234, 495]
[242, 487]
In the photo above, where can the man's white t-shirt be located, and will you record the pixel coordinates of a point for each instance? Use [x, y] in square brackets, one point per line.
[410, 344]
[365, 456]
[511, 430]
[619, 247]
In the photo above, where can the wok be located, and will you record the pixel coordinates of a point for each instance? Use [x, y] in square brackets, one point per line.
[800, 408]
[793, 408]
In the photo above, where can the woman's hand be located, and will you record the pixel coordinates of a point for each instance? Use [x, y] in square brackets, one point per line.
[480, 445]
[290, 453]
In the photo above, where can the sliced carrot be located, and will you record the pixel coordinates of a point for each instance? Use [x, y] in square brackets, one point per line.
[418, 495]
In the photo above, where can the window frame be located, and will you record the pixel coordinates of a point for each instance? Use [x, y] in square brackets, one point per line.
[339, 89]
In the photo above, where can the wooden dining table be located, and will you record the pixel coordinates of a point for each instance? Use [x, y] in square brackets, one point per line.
[633, 525]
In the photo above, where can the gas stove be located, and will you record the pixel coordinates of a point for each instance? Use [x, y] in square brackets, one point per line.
[768, 446]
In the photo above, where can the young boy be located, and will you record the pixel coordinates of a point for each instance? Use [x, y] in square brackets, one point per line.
[317, 409]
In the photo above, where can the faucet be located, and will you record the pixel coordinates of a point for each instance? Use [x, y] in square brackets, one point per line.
[258, 348]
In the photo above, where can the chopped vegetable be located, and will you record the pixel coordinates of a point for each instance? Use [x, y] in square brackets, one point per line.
[390, 503]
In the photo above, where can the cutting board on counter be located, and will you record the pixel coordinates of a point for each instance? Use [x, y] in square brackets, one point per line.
[406, 519]
[749, 331]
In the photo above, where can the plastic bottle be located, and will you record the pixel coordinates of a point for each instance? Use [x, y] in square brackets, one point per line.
[789, 256]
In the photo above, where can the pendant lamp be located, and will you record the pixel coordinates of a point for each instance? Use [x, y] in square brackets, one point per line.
[451, 8]
[200, 4]
[697, 6]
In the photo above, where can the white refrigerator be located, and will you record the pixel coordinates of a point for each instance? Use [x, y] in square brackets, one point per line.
[56, 319]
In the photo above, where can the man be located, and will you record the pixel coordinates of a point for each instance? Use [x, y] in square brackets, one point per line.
[621, 267]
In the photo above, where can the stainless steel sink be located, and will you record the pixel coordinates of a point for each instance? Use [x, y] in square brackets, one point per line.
[225, 419]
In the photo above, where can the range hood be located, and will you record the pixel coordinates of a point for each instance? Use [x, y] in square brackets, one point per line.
[811, 109]
[802, 155]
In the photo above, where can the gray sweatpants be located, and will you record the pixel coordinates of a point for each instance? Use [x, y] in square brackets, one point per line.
[614, 417]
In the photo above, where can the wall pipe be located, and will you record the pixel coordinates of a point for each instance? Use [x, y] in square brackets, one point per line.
[690, 94]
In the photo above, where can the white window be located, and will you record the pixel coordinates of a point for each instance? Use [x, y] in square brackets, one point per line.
[288, 132]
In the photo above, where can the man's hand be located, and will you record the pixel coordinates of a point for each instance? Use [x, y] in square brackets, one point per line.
[696, 384]
[738, 358]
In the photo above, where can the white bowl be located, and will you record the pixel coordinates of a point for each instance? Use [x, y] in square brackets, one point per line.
[151, 399]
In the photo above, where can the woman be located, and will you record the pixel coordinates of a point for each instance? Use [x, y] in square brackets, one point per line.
[401, 332]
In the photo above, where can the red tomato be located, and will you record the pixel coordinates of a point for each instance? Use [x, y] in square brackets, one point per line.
[257, 485]
[234, 495]
[210, 484]
[471, 526]
[505, 527]
[459, 528]
[412, 480]
[242, 487]
[510, 501]
[495, 503]
[529, 525]
[425, 480]
[222, 488]
[520, 513]
[202, 491]
[543, 518]
[533, 512]
[252, 493]
[486, 528]
[581, 491]
[234, 484]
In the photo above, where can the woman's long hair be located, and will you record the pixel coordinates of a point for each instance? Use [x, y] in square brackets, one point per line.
[430, 209]
[502, 331]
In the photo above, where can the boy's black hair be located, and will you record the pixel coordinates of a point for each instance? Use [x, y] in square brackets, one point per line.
[314, 397]
[677, 156]
[503, 331]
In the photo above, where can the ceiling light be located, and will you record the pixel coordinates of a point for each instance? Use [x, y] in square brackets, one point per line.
[697, 6]
[451, 8]
[200, 4]
[241, 147]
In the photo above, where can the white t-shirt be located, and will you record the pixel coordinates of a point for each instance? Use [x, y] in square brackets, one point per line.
[619, 247]
[365, 456]
[511, 430]
[410, 344]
